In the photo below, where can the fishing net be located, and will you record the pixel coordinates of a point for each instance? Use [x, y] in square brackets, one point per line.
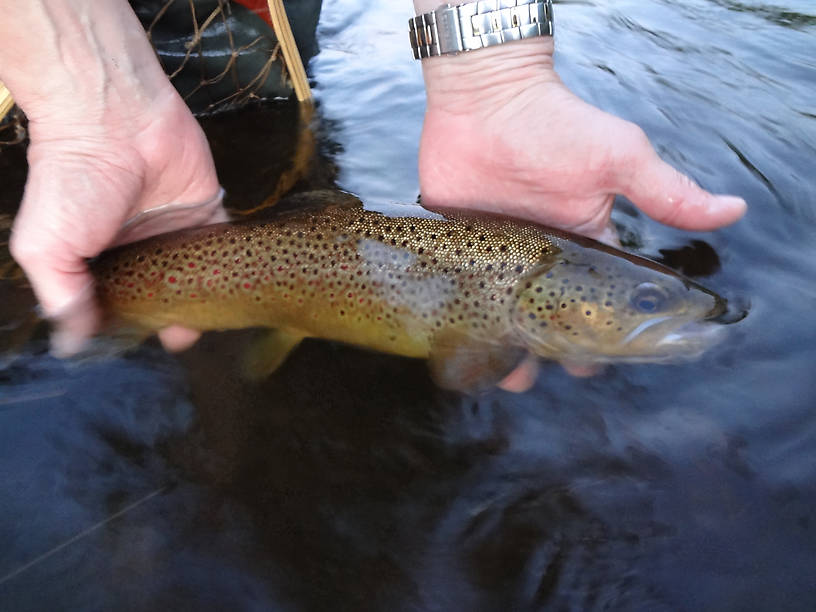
[222, 54]
[12, 128]
[219, 54]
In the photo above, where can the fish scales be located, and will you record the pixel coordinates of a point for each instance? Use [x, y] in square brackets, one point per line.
[343, 274]
[473, 293]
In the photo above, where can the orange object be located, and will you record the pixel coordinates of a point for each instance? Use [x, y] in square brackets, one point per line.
[259, 7]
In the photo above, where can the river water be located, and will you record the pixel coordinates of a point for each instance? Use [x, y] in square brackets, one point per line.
[347, 481]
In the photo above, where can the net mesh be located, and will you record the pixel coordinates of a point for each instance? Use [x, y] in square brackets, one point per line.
[219, 54]
[12, 128]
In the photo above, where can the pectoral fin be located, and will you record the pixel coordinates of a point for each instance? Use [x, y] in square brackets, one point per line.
[269, 351]
[461, 363]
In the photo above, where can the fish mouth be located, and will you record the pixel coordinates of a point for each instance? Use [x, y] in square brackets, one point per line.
[665, 338]
[696, 335]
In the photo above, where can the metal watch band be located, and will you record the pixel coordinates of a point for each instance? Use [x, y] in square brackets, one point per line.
[473, 25]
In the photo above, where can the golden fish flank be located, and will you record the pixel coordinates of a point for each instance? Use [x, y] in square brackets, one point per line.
[473, 294]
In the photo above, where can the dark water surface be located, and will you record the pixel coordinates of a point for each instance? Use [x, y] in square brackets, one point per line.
[347, 481]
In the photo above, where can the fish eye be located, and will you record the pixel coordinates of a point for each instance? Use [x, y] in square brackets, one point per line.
[648, 298]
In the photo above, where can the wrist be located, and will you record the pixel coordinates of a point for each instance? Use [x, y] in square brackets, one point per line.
[490, 75]
[511, 49]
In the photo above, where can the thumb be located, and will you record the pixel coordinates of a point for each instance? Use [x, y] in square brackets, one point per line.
[71, 208]
[64, 287]
[671, 197]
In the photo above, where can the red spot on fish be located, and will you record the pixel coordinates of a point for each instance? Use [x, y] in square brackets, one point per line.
[193, 295]
[216, 272]
[247, 286]
[150, 295]
[191, 265]
[130, 285]
[171, 279]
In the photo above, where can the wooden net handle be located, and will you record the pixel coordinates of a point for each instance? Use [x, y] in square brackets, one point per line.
[280, 23]
[6, 101]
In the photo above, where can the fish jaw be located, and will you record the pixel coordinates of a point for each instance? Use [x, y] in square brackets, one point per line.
[665, 341]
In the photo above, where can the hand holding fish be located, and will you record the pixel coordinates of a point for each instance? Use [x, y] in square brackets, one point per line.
[502, 133]
[110, 138]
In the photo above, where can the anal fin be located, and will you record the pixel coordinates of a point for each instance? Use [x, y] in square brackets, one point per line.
[268, 351]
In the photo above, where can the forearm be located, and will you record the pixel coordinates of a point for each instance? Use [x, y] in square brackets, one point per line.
[57, 52]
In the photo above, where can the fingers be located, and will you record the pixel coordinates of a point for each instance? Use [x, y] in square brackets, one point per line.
[176, 338]
[61, 223]
[522, 378]
[669, 196]
[64, 288]
[582, 370]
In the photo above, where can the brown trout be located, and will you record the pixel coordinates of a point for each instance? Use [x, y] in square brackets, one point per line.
[473, 294]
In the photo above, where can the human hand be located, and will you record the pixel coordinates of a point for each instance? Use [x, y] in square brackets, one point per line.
[84, 183]
[110, 139]
[503, 134]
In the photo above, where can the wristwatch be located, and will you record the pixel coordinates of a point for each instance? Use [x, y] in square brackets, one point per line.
[474, 25]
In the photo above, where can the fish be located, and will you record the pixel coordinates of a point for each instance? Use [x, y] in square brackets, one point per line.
[472, 293]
